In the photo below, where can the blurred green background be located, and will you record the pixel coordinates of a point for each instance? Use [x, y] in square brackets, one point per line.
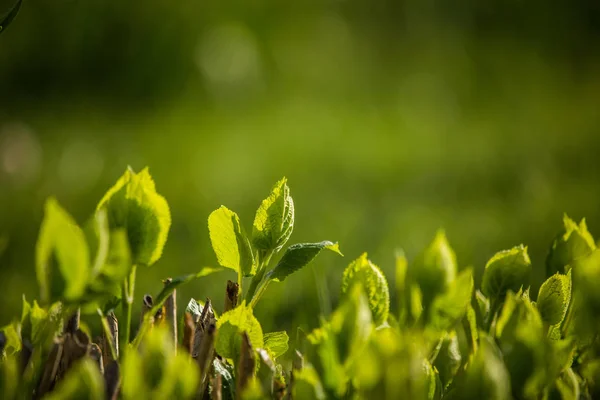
[390, 119]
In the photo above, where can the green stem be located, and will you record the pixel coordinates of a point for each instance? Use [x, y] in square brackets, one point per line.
[128, 291]
[494, 306]
[108, 334]
[259, 293]
[567, 320]
[256, 279]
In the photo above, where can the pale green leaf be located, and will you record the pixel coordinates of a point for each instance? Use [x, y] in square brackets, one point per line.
[274, 220]
[133, 204]
[299, 255]
[554, 297]
[62, 258]
[435, 268]
[362, 271]
[448, 308]
[230, 327]
[572, 244]
[276, 343]
[506, 270]
[229, 242]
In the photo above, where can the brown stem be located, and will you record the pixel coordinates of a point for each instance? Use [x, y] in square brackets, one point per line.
[171, 313]
[188, 332]
[245, 368]
[96, 355]
[206, 354]
[73, 322]
[112, 380]
[231, 296]
[113, 326]
[217, 387]
[51, 366]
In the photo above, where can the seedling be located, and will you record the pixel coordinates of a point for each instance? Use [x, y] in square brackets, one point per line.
[445, 338]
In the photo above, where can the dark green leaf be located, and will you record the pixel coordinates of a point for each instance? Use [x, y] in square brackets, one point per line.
[62, 258]
[297, 256]
[10, 16]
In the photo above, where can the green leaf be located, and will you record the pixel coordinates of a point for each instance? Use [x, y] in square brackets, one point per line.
[276, 343]
[10, 16]
[9, 377]
[486, 377]
[573, 243]
[506, 270]
[308, 385]
[364, 272]
[448, 308]
[352, 325]
[230, 243]
[156, 371]
[274, 220]
[111, 268]
[554, 297]
[62, 258]
[83, 381]
[297, 256]
[134, 205]
[230, 327]
[449, 359]
[435, 268]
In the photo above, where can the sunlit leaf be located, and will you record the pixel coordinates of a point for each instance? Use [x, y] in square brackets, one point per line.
[274, 220]
[229, 241]
[554, 297]
[506, 270]
[134, 205]
[573, 243]
[362, 271]
[276, 343]
[230, 327]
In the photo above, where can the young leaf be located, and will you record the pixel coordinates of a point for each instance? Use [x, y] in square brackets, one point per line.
[229, 241]
[506, 270]
[447, 309]
[435, 268]
[10, 16]
[486, 377]
[573, 243]
[62, 258]
[276, 343]
[364, 272]
[133, 204]
[274, 220]
[297, 256]
[230, 327]
[554, 297]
